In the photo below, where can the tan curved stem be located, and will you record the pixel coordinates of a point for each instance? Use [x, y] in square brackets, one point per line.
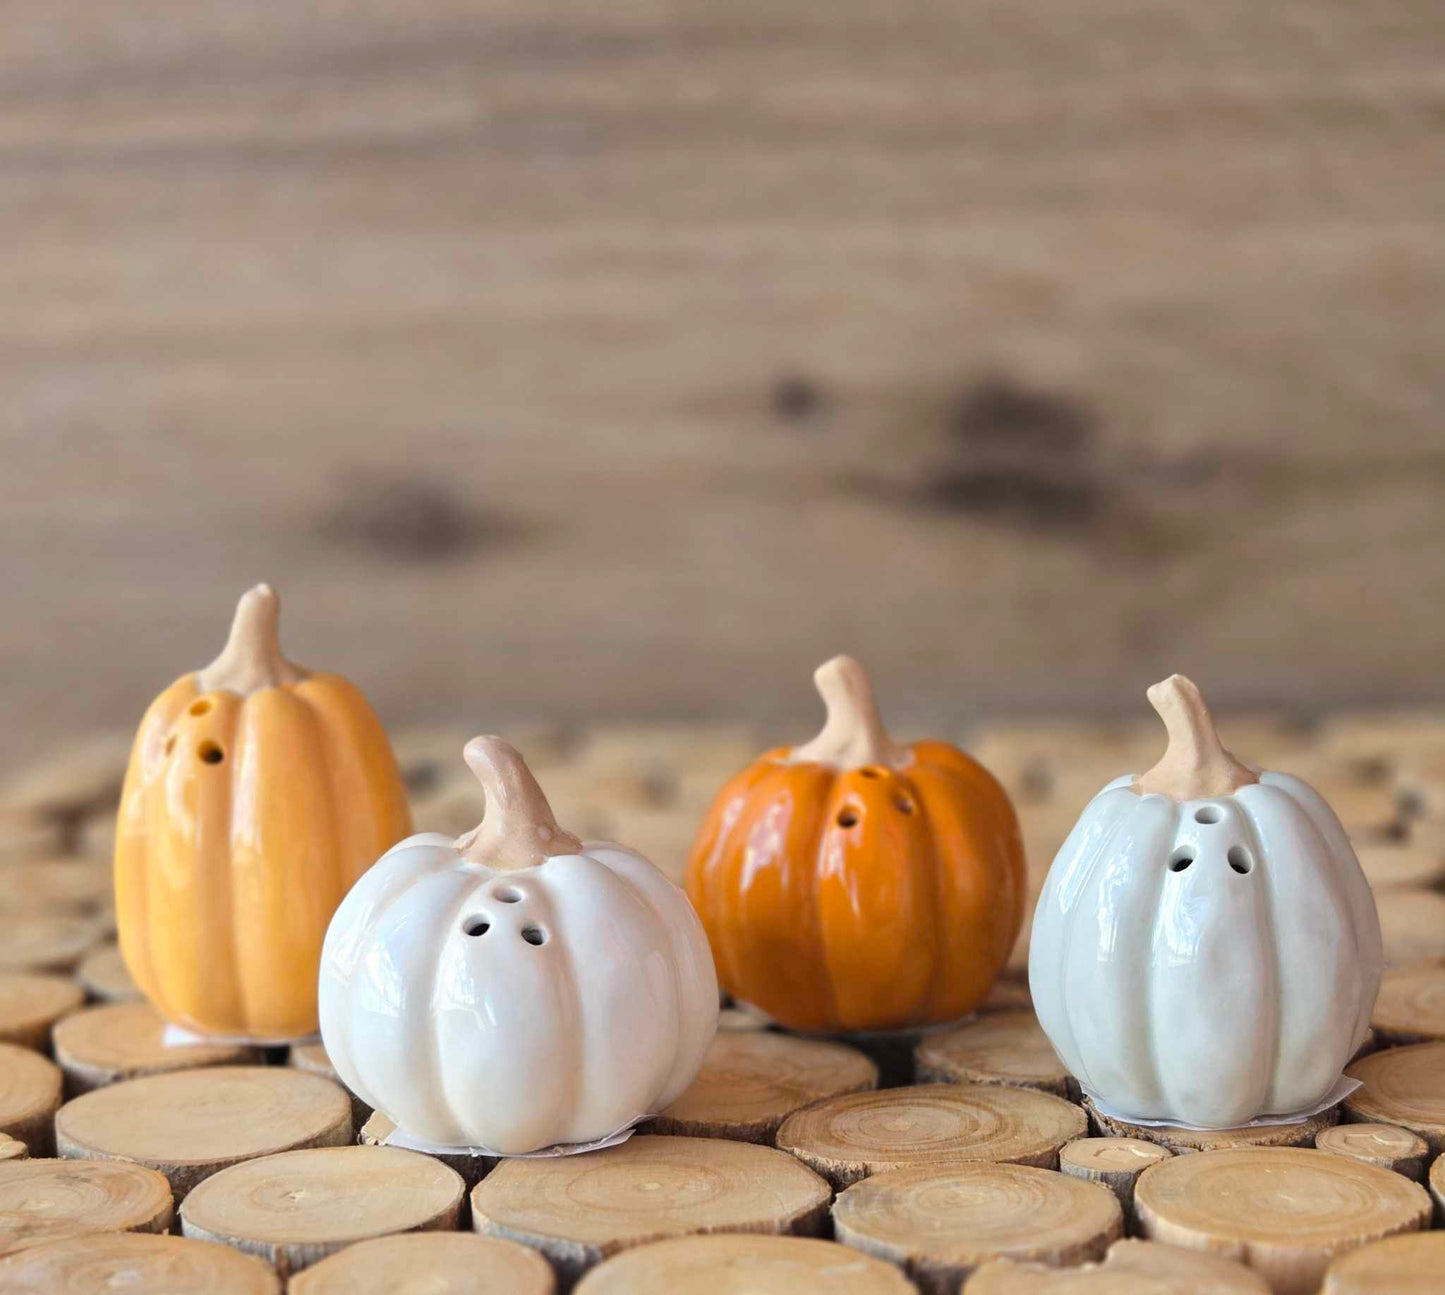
[853, 734]
[517, 828]
[1195, 763]
[251, 659]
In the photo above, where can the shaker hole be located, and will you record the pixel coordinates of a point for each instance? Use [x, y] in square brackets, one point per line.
[534, 935]
[476, 926]
[200, 707]
[210, 753]
[904, 805]
[847, 818]
[1239, 859]
[870, 772]
[509, 895]
[1208, 814]
[170, 743]
[1181, 859]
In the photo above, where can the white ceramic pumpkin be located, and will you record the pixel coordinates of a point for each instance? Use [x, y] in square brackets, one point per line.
[515, 989]
[1205, 950]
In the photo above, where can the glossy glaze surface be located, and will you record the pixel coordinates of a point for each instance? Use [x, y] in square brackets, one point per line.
[243, 822]
[1206, 961]
[858, 898]
[516, 1009]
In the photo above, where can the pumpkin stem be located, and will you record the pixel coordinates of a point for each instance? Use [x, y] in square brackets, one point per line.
[517, 828]
[251, 659]
[1195, 763]
[853, 734]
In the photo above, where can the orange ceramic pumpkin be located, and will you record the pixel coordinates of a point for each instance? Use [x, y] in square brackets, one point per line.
[257, 793]
[853, 884]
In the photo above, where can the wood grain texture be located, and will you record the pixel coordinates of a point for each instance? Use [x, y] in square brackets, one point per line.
[129, 1261]
[462, 301]
[46, 1200]
[1400, 1265]
[1131, 1267]
[1182, 1141]
[1404, 1087]
[436, 1263]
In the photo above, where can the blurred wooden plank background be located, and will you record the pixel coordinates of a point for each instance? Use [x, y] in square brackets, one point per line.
[627, 360]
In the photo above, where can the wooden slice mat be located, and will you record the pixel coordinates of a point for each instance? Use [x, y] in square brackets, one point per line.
[1413, 925]
[1007, 994]
[847, 1138]
[55, 886]
[437, 1263]
[939, 1224]
[744, 1265]
[190, 1123]
[1183, 1141]
[1115, 1163]
[1130, 1268]
[1413, 1264]
[1284, 1211]
[296, 1208]
[473, 1169]
[1404, 1087]
[12, 1148]
[1411, 1005]
[29, 1097]
[1390, 865]
[1395, 1149]
[1004, 1047]
[751, 1081]
[578, 1210]
[31, 1003]
[1436, 1180]
[46, 943]
[103, 1045]
[103, 973]
[105, 1263]
[45, 1200]
[312, 1058]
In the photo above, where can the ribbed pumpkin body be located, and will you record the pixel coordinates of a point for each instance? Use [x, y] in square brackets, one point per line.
[243, 823]
[862, 898]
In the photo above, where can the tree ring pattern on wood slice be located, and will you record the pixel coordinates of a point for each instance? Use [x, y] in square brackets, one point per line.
[940, 1223]
[105, 976]
[580, 1209]
[1412, 924]
[1411, 1005]
[30, 1003]
[1130, 1268]
[103, 1045]
[847, 1138]
[448, 1263]
[739, 1264]
[1002, 1047]
[1413, 1262]
[1183, 1141]
[297, 1207]
[102, 1262]
[12, 1148]
[1404, 1087]
[30, 1087]
[473, 1169]
[45, 1200]
[189, 1124]
[1284, 1211]
[1115, 1163]
[751, 1081]
[1385, 1145]
[49, 943]
[312, 1058]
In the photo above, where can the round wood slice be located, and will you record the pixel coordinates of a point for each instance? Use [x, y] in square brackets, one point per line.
[438, 1263]
[103, 973]
[12, 1148]
[998, 1048]
[1411, 1005]
[1389, 865]
[55, 886]
[297, 1207]
[82, 776]
[1284, 1211]
[1412, 1264]
[473, 1169]
[1182, 1141]
[1413, 925]
[312, 1058]
[580, 1209]
[1115, 1163]
[1404, 1087]
[45, 1200]
[744, 1265]
[741, 1017]
[31, 1003]
[1436, 1179]
[103, 1045]
[751, 1081]
[104, 1263]
[23, 838]
[30, 1087]
[940, 1223]
[1130, 1268]
[45, 943]
[1007, 994]
[848, 1138]
[1391, 1148]
[189, 1124]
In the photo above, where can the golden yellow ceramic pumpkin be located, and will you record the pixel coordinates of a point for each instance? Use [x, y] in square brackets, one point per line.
[257, 793]
[855, 884]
